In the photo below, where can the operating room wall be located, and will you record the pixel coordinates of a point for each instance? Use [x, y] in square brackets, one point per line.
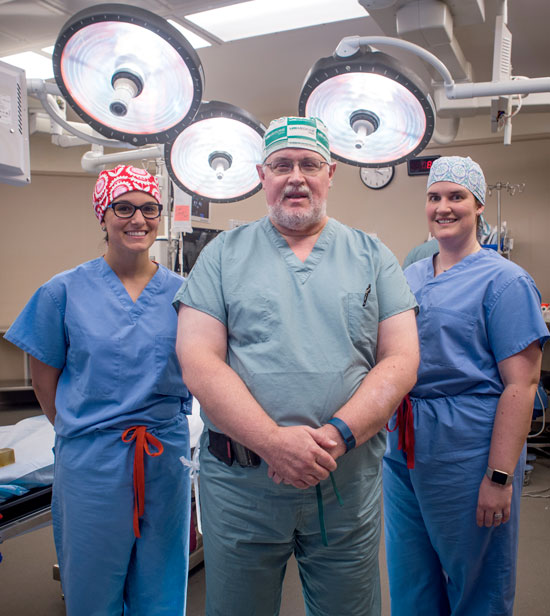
[49, 225]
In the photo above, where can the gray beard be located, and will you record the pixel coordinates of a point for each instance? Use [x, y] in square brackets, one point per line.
[297, 220]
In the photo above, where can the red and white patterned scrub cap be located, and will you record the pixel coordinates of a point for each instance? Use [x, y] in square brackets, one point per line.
[112, 183]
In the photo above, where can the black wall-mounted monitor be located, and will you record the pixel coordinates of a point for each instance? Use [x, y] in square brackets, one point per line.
[421, 165]
[200, 209]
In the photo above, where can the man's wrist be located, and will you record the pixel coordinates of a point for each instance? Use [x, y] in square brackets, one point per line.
[345, 432]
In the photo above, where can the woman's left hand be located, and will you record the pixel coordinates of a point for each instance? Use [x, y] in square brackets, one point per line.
[493, 504]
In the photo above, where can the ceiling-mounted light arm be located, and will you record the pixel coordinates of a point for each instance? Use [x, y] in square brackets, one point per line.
[40, 90]
[350, 45]
[95, 161]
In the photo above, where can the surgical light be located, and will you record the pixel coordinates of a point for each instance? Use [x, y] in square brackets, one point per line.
[376, 111]
[128, 73]
[215, 157]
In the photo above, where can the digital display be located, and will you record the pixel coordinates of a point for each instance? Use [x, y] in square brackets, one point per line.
[200, 208]
[421, 165]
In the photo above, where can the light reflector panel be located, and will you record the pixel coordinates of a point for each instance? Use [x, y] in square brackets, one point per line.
[128, 73]
[215, 158]
[375, 112]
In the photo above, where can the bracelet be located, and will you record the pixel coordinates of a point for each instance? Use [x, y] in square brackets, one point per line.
[345, 432]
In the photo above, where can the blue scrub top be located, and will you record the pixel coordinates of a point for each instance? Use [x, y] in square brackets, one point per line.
[300, 335]
[481, 311]
[118, 360]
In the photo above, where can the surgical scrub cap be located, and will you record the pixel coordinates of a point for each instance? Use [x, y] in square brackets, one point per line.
[294, 132]
[112, 183]
[463, 171]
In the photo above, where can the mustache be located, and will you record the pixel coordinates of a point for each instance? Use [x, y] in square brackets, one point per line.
[300, 191]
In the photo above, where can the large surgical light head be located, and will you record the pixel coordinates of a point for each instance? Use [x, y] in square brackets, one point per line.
[215, 157]
[376, 111]
[128, 73]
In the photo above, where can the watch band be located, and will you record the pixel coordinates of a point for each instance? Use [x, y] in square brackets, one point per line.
[500, 477]
[345, 432]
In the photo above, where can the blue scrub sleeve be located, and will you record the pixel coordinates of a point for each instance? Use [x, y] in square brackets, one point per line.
[40, 327]
[515, 319]
[203, 288]
[394, 294]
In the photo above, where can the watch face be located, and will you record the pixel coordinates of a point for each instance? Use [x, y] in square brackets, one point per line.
[376, 177]
[499, 478]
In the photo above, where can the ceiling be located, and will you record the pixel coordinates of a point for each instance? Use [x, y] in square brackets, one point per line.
[264, 74]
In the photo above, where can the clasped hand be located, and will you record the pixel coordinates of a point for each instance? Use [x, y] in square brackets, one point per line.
[301, 456]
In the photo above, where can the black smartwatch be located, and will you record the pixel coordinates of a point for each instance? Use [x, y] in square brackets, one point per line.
[499, 477]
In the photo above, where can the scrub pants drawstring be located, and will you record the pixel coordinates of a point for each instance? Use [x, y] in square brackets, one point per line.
[321, 510]
[143, 440]
[405, 423]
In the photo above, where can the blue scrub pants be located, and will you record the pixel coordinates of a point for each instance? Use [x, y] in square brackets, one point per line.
[252, 526]
[439, 561]
[105, 569]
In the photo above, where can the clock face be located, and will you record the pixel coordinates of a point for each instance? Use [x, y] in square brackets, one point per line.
[376, 177]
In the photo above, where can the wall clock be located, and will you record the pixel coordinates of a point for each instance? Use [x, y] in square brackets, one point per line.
[376, 177]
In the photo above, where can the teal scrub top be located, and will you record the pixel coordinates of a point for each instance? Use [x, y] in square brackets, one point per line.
[302, 336]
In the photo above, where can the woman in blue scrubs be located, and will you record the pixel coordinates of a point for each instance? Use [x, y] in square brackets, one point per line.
[452, 484]
[102, 343]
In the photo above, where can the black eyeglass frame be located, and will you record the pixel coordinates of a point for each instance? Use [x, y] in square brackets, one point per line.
[136, 207]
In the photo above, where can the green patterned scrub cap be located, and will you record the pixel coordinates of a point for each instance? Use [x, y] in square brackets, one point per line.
[294, 132]
[462, 171]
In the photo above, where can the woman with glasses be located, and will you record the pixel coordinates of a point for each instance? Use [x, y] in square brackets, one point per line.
[453, 470]
[102, 343]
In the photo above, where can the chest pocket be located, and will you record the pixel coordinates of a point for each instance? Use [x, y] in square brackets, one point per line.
[445, 336]
[362, 321]
[168, 380]
[95, 363]
[252, 319]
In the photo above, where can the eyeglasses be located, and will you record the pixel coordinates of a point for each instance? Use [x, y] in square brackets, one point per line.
[308, 166]
[125, 209]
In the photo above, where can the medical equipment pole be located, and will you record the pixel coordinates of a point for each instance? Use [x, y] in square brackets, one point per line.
[511, 189]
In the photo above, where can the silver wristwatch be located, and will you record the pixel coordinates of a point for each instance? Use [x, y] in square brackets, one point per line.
[500, 477]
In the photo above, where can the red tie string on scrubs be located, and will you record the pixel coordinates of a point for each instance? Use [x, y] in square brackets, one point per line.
[405, 423]
[143, 439]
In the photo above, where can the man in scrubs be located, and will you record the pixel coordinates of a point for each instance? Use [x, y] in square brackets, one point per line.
[297, 334]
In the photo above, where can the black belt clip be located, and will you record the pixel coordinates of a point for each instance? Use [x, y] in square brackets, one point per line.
[227, 451]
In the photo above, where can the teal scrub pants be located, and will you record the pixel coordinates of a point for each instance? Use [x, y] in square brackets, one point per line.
[105, 569]
[251, 527]
[440, 562]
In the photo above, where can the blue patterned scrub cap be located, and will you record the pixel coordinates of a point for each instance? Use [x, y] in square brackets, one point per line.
[296, 132]
[460, 170]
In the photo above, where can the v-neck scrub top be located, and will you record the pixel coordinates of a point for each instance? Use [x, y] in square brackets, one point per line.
[478, 313]
[302, 336]
[118, 360]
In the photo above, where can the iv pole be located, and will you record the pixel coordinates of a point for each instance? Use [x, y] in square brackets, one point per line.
[511, 189]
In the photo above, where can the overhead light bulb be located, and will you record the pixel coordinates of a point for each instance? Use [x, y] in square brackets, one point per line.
[364, 123]
[220, 163]
[127, 84]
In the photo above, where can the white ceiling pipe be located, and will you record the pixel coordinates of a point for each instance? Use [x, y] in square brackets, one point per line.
[95, 161]
[351, 44]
